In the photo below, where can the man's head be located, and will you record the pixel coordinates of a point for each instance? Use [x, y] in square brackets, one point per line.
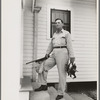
[59, 23]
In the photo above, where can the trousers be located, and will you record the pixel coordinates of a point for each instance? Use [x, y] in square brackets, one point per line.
[60, 58]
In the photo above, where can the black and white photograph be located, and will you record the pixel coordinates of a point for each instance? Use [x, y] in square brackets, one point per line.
[51, 48]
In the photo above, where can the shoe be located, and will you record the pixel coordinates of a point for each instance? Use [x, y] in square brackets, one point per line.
[41, 88]
[59, 97]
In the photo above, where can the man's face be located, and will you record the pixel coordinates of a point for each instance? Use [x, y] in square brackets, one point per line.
[58, 24]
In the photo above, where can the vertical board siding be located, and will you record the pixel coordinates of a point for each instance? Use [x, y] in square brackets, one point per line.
[28, 38]
[85, 37]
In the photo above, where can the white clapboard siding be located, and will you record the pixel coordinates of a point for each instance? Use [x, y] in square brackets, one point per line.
[28, 38]
[85, 37]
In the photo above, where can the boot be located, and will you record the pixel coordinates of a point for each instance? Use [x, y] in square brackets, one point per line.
[59, 97]
[41, 88]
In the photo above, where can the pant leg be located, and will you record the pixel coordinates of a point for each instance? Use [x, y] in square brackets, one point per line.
[48, 64]
[42, 78]
[61, 57]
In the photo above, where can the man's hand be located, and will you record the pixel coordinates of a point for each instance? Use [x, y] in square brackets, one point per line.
[47, 55]
[72, 59]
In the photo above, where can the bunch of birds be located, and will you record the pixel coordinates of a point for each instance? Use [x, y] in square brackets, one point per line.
[71, 70]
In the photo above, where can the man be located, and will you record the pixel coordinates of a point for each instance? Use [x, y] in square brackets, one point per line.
[62, 52]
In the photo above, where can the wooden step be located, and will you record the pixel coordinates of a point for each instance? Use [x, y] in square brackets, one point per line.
[50, 94]
[42, 95]
[24, 96]
[26, 84]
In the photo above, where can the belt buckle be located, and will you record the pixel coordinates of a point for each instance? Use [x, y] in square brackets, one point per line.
[60, 46]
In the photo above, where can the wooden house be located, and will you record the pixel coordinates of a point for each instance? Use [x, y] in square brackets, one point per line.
[80, 19]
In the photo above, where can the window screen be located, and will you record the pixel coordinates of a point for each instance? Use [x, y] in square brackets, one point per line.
[62, 14]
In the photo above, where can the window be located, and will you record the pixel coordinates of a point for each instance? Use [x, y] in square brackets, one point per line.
[64, 15]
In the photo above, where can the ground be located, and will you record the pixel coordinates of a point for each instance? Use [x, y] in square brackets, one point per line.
[75, 91]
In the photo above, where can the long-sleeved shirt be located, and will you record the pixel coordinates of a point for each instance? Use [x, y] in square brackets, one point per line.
[63, 38]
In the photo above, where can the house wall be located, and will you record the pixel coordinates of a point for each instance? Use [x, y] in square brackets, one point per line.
[84, 33]
[28, 38]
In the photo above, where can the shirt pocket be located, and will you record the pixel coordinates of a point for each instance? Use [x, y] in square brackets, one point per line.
[62, 39]
[62, 36]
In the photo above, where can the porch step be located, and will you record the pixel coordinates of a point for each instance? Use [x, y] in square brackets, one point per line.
[50, 94]
[24, 96]
[43, 95]
[26, 87]
[26, 84]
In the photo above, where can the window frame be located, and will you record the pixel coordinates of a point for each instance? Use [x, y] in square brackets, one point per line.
[49, 7]
[51, 19]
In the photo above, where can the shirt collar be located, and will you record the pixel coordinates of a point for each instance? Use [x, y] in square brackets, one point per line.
[60, 31]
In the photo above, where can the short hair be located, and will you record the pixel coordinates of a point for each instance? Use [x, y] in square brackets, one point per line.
[59, 19]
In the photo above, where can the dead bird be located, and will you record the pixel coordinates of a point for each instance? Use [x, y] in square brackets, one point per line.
[71, 70]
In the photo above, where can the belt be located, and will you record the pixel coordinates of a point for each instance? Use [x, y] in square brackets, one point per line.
[59, 47]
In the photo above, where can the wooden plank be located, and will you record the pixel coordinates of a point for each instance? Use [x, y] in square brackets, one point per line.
[42, 95]
[24, 96]
[26, 84]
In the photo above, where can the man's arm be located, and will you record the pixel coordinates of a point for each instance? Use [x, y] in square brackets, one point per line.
[50, 48]
[70, 47]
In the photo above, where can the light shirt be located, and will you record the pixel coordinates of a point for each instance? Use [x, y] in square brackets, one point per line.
[63, 38]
